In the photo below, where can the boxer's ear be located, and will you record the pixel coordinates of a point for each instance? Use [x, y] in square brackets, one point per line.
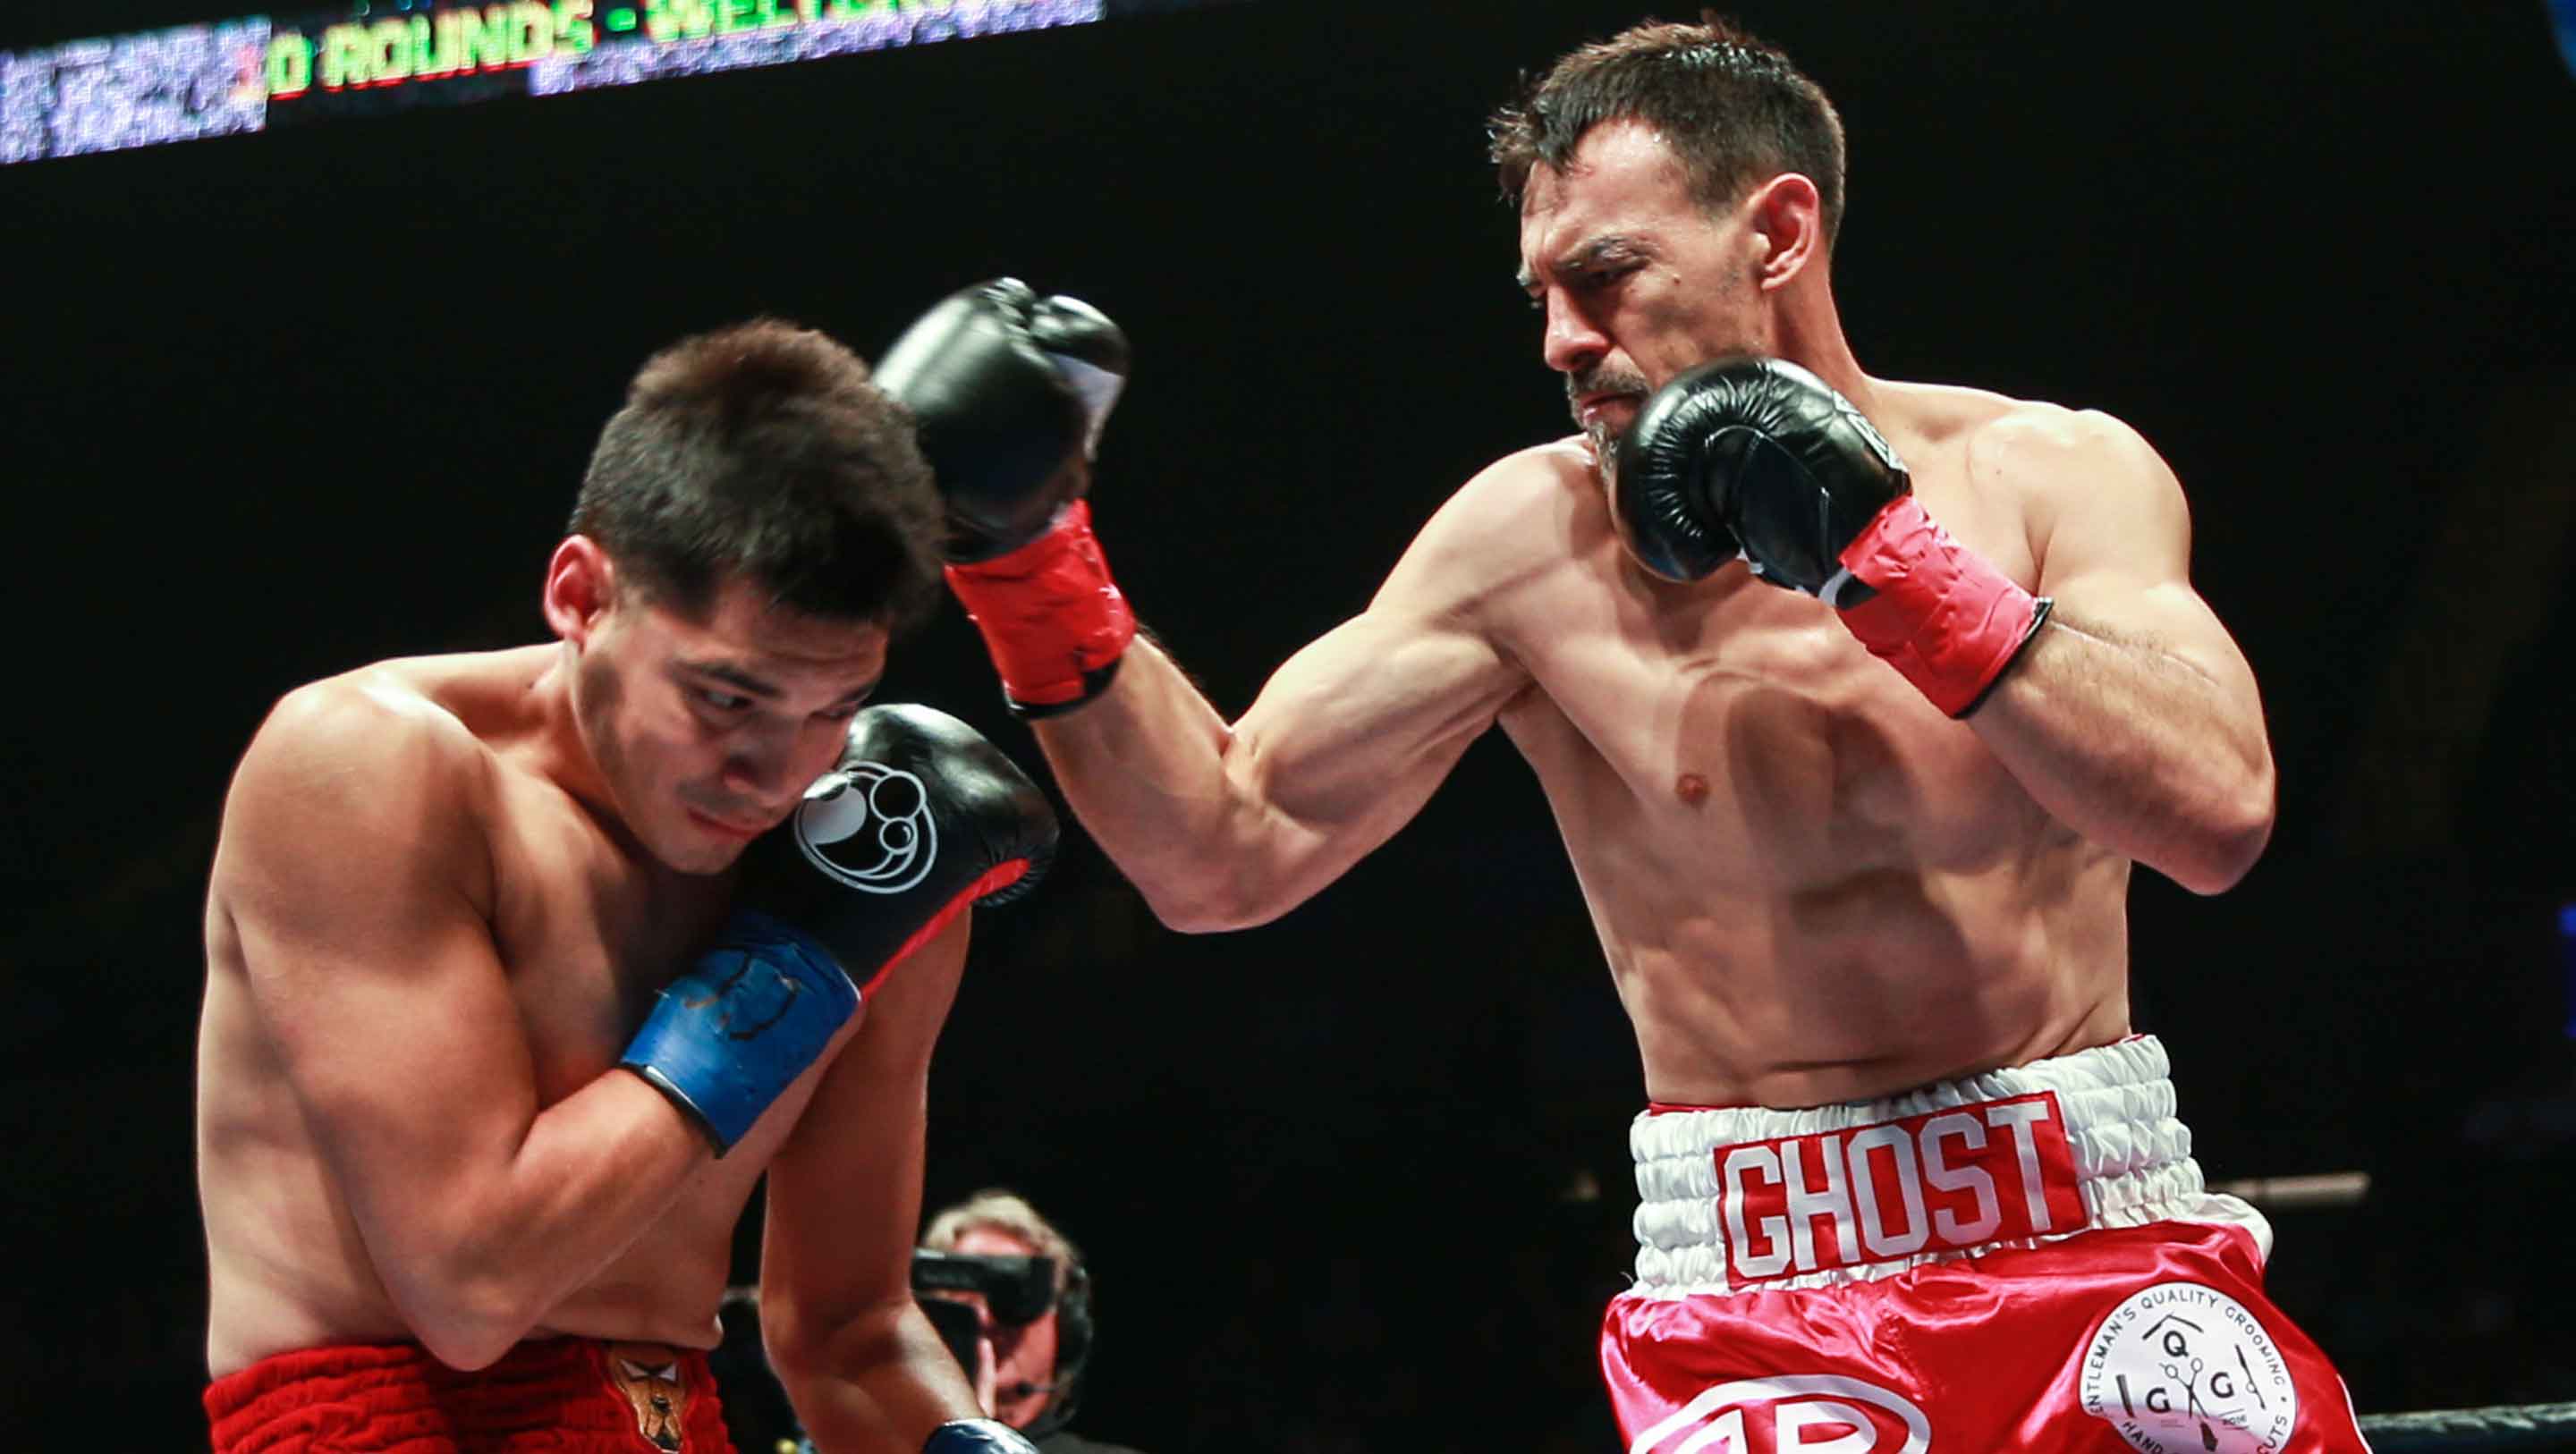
[1787, 219]
[581, 585]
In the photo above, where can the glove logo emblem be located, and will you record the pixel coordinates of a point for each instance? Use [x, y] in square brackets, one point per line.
[2182, 1365]
[869, 826]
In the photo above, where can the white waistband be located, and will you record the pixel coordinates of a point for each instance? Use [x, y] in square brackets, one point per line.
[2132, 1161]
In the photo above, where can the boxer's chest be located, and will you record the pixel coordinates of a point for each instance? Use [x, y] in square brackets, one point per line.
[588, 936]
[1745, 726]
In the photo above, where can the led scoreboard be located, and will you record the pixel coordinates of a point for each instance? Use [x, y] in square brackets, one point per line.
[258, 72]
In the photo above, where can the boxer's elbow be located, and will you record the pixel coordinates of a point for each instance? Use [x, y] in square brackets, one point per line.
[467, 1331]
[833, 1367]
[811, 1353]
[795, 1336]
[2231, 833]
[1210, 905]
[466, 1313]
[1227, 881]
[1230, 852]
[1265, 842]
[2234, 854]
[465, 1351]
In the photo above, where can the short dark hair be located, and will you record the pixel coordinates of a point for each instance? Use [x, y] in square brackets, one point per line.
[763, 452]
[1733, 109]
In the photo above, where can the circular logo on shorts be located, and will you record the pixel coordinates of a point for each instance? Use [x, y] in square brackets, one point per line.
[1814, 1413]
[2180, 1367]
[868, 826]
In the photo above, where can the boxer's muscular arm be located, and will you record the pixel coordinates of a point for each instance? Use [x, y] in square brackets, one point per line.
[360, 883]
[1225, 826]
[2132, 716]
[860, 1362]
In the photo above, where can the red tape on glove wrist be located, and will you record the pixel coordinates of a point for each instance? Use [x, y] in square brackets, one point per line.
[1052, 618]
[1943, 616]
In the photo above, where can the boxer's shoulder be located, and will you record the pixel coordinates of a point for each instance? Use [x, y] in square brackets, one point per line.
[1532, 479]
[1526, 511]
[1996, 438]
[442, 715]
[386, 718]
[1550, 471]
[2033, 435]
[1976, 455]
[1501, 547]
[353, 758]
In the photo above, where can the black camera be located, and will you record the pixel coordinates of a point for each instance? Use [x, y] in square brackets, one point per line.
[1018, 1290]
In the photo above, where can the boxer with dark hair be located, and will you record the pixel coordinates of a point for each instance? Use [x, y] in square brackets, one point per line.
[524, 966]
[1855, 701]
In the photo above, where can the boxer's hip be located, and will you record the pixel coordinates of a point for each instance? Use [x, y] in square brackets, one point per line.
[556, 1394]
[2025, 1259]
[1739, 1199]
[2155, 1337]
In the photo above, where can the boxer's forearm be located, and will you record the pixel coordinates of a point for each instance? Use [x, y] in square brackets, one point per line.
[877, 1383]
[2137, 748]
[478, 1260]
[1145, 768]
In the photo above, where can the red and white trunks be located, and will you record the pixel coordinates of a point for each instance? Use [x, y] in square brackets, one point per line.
[2021, 1260]
[562, 1394]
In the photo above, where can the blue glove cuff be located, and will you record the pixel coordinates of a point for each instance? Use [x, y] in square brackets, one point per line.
[726, 1037]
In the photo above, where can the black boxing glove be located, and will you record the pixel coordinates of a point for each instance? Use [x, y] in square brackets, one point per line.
[921, 817]
[977, 1436]
[960, 1436]
[1010, 391]
[1762, 453]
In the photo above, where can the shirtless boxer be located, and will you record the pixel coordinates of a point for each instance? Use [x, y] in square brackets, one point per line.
[1859, 869]
[521, 974]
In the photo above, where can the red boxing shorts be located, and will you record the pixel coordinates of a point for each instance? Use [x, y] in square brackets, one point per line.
[556, 1395]
[2025, 1260]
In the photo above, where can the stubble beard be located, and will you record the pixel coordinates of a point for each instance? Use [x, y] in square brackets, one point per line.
[1598, 432]
[1602, 441]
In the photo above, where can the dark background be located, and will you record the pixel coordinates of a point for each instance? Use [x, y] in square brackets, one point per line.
[280, 405]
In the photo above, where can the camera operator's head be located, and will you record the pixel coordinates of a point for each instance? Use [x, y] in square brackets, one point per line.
[1037, 1360]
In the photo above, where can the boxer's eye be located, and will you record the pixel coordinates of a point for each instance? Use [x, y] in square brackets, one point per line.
[728, 703]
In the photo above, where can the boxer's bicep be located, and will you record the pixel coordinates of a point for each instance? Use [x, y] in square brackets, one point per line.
[1223, 825]
[844, 1202]
[349, 868]
[1353, 734]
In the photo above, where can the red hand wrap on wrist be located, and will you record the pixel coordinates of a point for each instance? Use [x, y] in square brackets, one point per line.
[1051, 617]
[1943, 616]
